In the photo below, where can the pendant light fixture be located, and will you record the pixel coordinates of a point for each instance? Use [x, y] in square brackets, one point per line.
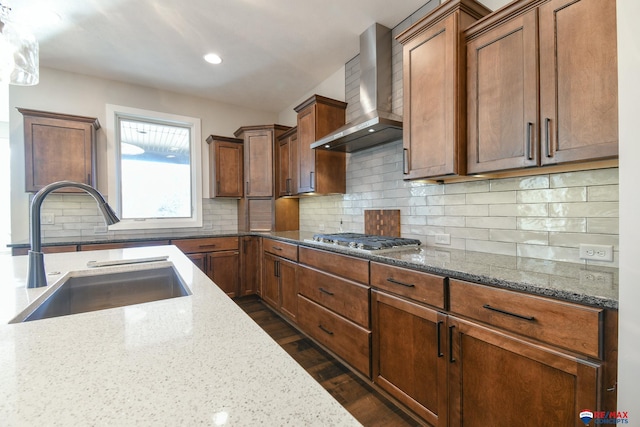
[18, 52]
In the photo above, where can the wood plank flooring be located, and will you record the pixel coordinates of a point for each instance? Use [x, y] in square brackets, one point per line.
[366, 404]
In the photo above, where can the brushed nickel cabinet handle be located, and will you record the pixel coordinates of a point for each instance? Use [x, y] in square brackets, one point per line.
[547, 132]
[508, 313]
[312, 184]
[405, 161]
[529, 141]
[325, 330]
[276, 248]
[396, 282]
[324, 291]
[209, 246]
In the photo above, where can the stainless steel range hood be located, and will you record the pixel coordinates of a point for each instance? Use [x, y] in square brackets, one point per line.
[377, 125]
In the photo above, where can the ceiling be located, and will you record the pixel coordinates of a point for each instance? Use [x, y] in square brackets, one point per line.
[274, 51]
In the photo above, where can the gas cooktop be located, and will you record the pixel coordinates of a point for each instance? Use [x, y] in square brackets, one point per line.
[366, 242]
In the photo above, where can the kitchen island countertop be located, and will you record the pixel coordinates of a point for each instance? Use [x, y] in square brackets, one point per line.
[193, 360]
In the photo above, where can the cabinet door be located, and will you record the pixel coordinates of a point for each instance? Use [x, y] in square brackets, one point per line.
[228, 164]
[306, 156]
[223, 270]
[270, 282]
[429, 67]
[578, 80]
[58, 150]
[499, 380]
[409, 360]
[287, 272]
[249, 265]
[200, 260]
[502, 97]
[287, 149]
[259, 163]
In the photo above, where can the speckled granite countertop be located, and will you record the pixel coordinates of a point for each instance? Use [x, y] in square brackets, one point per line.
[586, 284]
[193, 360]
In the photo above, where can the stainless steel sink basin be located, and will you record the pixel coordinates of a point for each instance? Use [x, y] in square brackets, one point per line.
[81, 294]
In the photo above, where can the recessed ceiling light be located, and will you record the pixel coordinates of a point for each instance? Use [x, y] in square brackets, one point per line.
[212, 58]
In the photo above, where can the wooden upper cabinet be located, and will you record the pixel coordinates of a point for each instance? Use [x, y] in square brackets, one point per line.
[564, 54]
[319, 171]
[258, 160]
[434, 138]
[58, 147]
[286, 167]
[578, 80]
[226, 166]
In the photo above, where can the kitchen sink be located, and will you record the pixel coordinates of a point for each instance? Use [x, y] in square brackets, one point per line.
[81, 294]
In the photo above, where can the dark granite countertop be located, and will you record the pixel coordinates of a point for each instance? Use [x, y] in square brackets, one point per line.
[585, 284]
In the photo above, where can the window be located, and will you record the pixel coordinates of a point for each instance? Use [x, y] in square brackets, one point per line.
[155, 178]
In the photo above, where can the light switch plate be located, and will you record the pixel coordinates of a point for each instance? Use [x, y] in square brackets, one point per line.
[47, 218]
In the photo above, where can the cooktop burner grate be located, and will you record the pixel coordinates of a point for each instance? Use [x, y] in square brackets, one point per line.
[368, 242]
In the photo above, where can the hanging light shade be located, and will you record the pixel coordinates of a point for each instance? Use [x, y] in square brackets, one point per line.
[18, 52]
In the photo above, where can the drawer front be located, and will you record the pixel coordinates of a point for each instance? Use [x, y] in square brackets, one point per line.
[571, 326]
[208, 244]
[346, 339]
[421, 287]
[349, 299]
[122, 245]
[352, 268]
[282, 249]
[45, 250]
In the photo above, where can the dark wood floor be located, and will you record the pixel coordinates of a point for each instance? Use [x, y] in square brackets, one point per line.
[363, 402]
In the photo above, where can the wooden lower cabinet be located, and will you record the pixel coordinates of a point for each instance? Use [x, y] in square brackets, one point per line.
[346, 339]
[279, 285]
[499, 380]
[218, 257]
[409, 344]
[250, 265]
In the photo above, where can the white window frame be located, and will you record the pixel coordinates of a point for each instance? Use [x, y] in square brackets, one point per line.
[114, 112]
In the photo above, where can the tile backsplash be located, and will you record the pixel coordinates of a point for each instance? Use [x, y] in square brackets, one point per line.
[545, 216]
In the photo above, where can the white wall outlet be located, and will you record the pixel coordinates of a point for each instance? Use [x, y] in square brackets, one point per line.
[443, 239]
[596, 252]
[47, 218]
[321, 227]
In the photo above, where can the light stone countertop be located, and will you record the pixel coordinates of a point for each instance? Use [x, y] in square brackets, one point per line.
[193, 360]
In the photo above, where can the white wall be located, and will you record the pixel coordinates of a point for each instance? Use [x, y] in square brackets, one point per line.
[70, 93]
[628, 96]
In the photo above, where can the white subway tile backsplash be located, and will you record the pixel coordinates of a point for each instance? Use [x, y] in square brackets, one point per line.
[574, 225]
[520, 236]
[578, 194]
[520, 183]
[450, 199]
[500, 248]
[467, 187]
[589, 210]
[467, 210]
[574, 240]
[584, 178]
[603, 225]
[603, 193]
[533, 209]
[492, 198]
[503, 222]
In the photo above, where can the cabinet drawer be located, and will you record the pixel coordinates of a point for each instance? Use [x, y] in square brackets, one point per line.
[282, 249]
[122, 245]
[346, 339]
[209, 244]
[356, 269]
[571, 326]
[349, 299]
[422, 287]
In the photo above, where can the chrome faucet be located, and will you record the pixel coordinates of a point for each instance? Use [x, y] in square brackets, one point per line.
[36, 277]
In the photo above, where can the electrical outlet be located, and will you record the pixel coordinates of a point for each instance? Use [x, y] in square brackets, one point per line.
[443, 239]
[596, 278]
[596, 252]
[321, 227]
[47, 218]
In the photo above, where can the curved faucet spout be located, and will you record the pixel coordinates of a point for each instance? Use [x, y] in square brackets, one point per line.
[36, 276]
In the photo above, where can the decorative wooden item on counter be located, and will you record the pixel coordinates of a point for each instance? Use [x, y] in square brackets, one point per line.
[225, 166]
[320, 171]
[58, 147]
[382, 222]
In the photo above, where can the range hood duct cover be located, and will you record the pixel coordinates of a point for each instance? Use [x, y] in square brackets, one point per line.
[377, 125]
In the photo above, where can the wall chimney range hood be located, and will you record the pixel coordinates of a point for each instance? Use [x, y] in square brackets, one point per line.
[377, 125]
